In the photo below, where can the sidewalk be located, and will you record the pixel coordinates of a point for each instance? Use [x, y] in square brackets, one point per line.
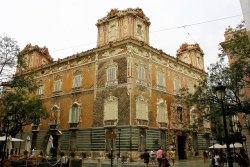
[196, 162]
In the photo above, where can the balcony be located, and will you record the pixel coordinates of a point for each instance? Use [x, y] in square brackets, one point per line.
[111, 83]
[141, 83]
[52, 127]
[57, 93]
[163, 125]
[142, 123]
[76, 89]
[73, 126]
[35, 128]
[110, 123]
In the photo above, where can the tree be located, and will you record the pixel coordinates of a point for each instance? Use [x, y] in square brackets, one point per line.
[8, 57]
[21, 100]
[234, 76]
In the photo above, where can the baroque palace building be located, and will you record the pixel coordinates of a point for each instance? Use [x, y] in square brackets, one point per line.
[121, 93]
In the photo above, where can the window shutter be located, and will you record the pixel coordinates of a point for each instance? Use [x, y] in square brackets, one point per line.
[70, 118]
[78, 114]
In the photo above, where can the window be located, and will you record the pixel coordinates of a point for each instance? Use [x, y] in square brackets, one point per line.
[141, 111]
[110, 111]
[57, 86]
[111, 74]
[160, 79]
[190, 88]
[162, 115]
[74, 116]
[141, 73]
[77, 81]
[54, 115]
[40, 90]
[177, 84]
[139, 29]
[112, 34]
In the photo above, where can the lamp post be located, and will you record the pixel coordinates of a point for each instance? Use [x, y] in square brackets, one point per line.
[119, 144]
[239, 126]
[220, 93]
[244, 139]
[9, 118]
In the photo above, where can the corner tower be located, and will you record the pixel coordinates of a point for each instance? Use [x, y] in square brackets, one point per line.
[191, 54]
[122, 24]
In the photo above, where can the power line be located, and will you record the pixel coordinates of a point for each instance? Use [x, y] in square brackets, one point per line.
[165, 29]
[188, 25]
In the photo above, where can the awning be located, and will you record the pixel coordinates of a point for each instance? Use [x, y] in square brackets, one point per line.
[3, 138]
[216, 146]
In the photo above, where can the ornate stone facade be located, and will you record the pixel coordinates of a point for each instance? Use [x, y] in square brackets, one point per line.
[124, 84]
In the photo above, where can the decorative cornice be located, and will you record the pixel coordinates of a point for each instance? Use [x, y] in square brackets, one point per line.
[115, 13]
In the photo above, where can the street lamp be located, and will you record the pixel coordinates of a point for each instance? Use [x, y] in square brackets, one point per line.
[9, 118]
[244, 139]
[119, 146]
[220, 93]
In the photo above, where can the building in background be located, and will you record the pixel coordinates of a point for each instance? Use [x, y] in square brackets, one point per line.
[123, 85]
[241, 118]
[245, 6]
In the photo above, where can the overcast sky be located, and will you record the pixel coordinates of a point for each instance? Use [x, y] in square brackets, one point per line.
[68, 26]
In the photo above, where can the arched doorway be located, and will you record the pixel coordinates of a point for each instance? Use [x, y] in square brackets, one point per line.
[182, 147]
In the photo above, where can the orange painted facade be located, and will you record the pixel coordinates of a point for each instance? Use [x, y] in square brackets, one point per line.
[124, 84]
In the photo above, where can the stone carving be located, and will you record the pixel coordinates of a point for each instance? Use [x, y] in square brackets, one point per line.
[112, 31]
[141, 108]
[135, 50]
[111, 108]
[125, 27]
[112, 53]
[178, 117]
[162, 115]
[119, 13]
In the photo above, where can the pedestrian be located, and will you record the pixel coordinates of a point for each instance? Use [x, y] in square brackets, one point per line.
[172, 155]
[243, 159]
[152, 157]
[205, 155]
[64, 160]
[159, 156]
[165, 162]
[146, 157]
[216, 159]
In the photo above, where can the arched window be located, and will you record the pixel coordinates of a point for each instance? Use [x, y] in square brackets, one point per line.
[162, 115]
[141, 73]
[74, 115]
[139, 29]
[77, 81]
[141, 111]
[111, 74]
[110, 111]
[55, 115]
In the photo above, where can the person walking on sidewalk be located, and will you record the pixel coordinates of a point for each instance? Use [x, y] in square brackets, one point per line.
[152, 157]
[172, 155]
[159, 154]
[146, 157]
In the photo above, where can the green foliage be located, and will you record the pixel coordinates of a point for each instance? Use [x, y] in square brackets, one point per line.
[233, 76]
[26, 109]
[20, 101]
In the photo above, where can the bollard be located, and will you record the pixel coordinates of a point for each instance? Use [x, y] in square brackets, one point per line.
[119, 162]
[99, 162]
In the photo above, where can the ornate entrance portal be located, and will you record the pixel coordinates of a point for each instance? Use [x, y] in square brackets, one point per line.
[181, 147]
